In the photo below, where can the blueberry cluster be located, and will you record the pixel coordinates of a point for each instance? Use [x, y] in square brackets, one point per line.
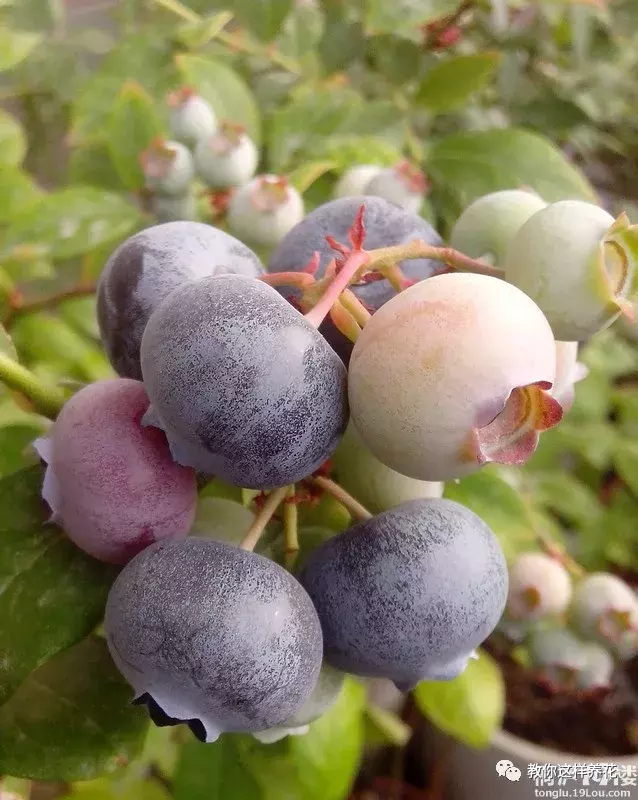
[575, 635]
[221, 154]
[221, 375]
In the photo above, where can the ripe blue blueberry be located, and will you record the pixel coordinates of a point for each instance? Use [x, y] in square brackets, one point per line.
[212, 636]
[409, 594]
[146, 268]
[244, 387]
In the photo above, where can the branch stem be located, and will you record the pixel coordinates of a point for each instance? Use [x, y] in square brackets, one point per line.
[354, 506]
[273, 501]
[47, 400]
[19, 306]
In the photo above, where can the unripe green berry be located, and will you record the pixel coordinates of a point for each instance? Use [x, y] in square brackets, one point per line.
[373, 484]
[191, 117]
[403, 184]
[323, 697]
[606, 609]
[539, 586]
[227, 158]
[558, 653]
[598, 668]
[222, 520]
[487, 226]
[354, 181]
[576, 263]
[168, 167]
[264, 210]
[173, 208]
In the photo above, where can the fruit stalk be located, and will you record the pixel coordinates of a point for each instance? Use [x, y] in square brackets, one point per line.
[353, 506]
[47, 400]
[353, 263]
[351, 303]
[262, 519]
[291, 533]
[387, 257]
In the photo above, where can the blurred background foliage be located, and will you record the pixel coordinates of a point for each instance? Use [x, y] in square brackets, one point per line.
[483, 95]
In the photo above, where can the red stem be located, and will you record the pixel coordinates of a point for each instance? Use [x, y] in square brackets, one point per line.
[352, 265]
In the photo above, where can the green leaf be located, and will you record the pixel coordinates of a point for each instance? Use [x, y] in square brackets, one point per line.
[51, 593]
[196, 33]
[15, 441]
[329, 755]
[567, 496]
[43, 338]
[302, 32]
[142, 57]
[347, 151]
[72, 719]
[13, 142]
[626, 460]
[498, 504]
[18, 193]
[214, 772]
[321, 765]
[227, 92]
[470, 708]
[305, 175]
[15, 46]
[333, 113]
[133, 124]
[264, 18]
[403, 17]
[475, 163]
[452, 80]
[398, 60]
[71, 221]
[91, 164]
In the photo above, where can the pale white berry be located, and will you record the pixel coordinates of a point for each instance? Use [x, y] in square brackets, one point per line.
[452, 373]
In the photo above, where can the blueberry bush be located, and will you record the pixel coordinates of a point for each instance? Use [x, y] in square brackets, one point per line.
[318, 364]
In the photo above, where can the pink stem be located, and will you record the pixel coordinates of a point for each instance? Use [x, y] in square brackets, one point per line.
[353, 264]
